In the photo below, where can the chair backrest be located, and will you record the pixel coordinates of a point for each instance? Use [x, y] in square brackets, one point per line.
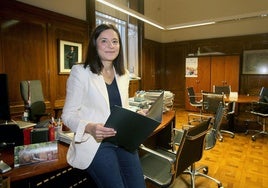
[211, 137]
[261, 107]
[191, 146]
[222, 89]
[264, 95]
[32, 95]
[31, 90]
[211, 102]
[191, 95]
[37, 110]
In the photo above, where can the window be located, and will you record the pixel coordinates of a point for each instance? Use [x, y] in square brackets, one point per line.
[129, 36]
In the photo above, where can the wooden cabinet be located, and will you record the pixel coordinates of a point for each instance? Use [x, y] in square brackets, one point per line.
[134, 85]
[213, 70]
[225, 71]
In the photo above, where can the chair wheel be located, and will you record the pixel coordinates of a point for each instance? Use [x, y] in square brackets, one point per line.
[232, 136]
[220, 139]
[253, 138]
[205, 170]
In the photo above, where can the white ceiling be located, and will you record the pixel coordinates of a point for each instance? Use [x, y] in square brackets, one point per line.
[173, 12]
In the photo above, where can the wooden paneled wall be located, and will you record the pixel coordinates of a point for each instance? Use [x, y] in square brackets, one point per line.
[150, 67]
[170, 62]
[30, 49]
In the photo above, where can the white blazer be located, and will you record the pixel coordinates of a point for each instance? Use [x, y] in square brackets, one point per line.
[86, 102]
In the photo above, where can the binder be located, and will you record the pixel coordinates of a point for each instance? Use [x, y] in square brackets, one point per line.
[133, 128]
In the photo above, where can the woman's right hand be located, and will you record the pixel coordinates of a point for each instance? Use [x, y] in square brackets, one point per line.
[98, 131]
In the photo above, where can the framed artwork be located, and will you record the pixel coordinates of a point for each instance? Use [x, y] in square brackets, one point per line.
[255, 62]
[191, 67]
[70, 53]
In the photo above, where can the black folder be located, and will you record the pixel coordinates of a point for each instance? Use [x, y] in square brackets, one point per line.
[133, 128]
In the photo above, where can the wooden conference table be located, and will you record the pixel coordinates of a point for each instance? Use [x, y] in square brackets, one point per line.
[243, 99]
[161, 135]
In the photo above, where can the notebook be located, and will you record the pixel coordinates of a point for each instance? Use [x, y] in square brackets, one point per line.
[133, 128]
[24, 124]
[21, 124]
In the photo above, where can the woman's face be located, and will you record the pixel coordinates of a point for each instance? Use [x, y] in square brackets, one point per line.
[108, 45]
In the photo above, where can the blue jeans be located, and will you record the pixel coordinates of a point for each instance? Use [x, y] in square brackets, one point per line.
[114, 167]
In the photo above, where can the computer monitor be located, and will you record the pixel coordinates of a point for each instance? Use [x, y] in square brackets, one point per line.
[4, 99]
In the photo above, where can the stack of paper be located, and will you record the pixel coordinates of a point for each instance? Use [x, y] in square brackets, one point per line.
[66, 137]
[167, 100]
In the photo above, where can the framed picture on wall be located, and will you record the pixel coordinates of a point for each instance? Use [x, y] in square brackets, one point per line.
[255, 62]
[70, 53]
[191, 67]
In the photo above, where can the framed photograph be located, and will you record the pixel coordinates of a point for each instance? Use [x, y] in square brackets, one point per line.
[255, 62]
[70, 53]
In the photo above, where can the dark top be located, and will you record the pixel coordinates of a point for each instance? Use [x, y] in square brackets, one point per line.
[114, 95]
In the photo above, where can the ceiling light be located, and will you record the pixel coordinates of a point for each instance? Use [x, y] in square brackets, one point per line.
[130, 12]
[124, 9]
[181, 26]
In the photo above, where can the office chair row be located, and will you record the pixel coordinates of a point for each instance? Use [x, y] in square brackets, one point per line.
[162, 167]
[208, 104]
[257, 112]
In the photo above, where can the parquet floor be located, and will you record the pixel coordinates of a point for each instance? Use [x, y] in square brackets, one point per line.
[237, 162]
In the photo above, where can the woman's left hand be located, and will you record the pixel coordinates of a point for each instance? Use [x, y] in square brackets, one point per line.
[143, 111]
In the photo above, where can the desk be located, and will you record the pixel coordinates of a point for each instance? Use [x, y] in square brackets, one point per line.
[243, 99]
[28, 171]
[161, 135]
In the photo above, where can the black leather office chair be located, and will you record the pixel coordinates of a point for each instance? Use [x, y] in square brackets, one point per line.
[32, 95]
[162, 167]
[210, 104]
[211, 140]
[260, 110]
[222, 89]
[194, 100]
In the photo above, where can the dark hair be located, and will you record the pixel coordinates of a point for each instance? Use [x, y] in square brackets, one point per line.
[92, 56]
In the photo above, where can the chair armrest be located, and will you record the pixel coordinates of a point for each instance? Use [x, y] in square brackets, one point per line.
[259, 114]
[200, 116]
[178, 133]
[259, 108]
[232, 110]
[144, 148]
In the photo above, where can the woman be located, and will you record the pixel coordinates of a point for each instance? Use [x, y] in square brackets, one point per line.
[93, 88]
